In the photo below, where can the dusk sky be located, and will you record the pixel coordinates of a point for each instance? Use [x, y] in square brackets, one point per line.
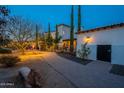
[92, 16]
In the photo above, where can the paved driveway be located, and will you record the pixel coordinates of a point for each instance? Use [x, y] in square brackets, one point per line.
[94, 74]
[61, 72]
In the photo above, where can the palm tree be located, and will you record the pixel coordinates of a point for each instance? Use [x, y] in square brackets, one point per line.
[72, 31]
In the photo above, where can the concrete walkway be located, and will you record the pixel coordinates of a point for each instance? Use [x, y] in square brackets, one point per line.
[95, 74]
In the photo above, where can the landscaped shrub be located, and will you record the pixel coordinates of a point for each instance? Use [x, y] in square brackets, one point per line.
[9, 61]
[84, 51]
[5, 51]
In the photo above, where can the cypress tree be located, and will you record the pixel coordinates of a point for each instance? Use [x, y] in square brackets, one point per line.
[72, 30]
[37, 37]
[79, 18]
[49, 34]
[56, 38]
[49, 39]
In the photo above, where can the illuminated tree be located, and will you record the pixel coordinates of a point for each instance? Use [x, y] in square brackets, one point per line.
[21, 32]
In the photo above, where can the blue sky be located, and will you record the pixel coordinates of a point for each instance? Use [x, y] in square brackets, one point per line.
[92, 15]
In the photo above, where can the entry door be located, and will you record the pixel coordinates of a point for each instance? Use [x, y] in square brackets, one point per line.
[104, 52]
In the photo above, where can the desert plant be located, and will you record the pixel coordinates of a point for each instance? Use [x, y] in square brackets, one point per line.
[5, 51]
[9, 61]
[84, 51]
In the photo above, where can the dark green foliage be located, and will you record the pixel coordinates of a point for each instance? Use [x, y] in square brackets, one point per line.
[5, 51]
[49, 39]
[57, 38]
[4, 10]
[37, 37]
[57, 33]
[42, 43]
[72, 31]
[9, 61]
[4, 40]
[79, 18]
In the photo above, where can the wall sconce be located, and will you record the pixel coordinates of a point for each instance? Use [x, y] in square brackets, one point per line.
[88, 39]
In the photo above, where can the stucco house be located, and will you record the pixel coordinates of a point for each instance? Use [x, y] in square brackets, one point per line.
[64, 32]
[105, 43]
[53, 34]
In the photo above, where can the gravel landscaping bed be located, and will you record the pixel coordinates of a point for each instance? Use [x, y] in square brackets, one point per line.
[74, 58]
[117, 70]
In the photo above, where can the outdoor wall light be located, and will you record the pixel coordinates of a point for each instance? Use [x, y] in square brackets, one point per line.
[88, 39]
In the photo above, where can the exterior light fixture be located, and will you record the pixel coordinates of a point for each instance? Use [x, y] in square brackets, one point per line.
[88, 39]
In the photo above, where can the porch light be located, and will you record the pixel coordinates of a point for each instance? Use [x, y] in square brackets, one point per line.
[88, 39]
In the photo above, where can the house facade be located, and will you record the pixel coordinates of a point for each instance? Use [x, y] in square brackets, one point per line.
[105, 43]
[64, 32]
[53, 34]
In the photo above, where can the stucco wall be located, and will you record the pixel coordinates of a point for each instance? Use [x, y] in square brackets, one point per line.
[64, 32]
[53, 34]
[118, 54]
[114, 37]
